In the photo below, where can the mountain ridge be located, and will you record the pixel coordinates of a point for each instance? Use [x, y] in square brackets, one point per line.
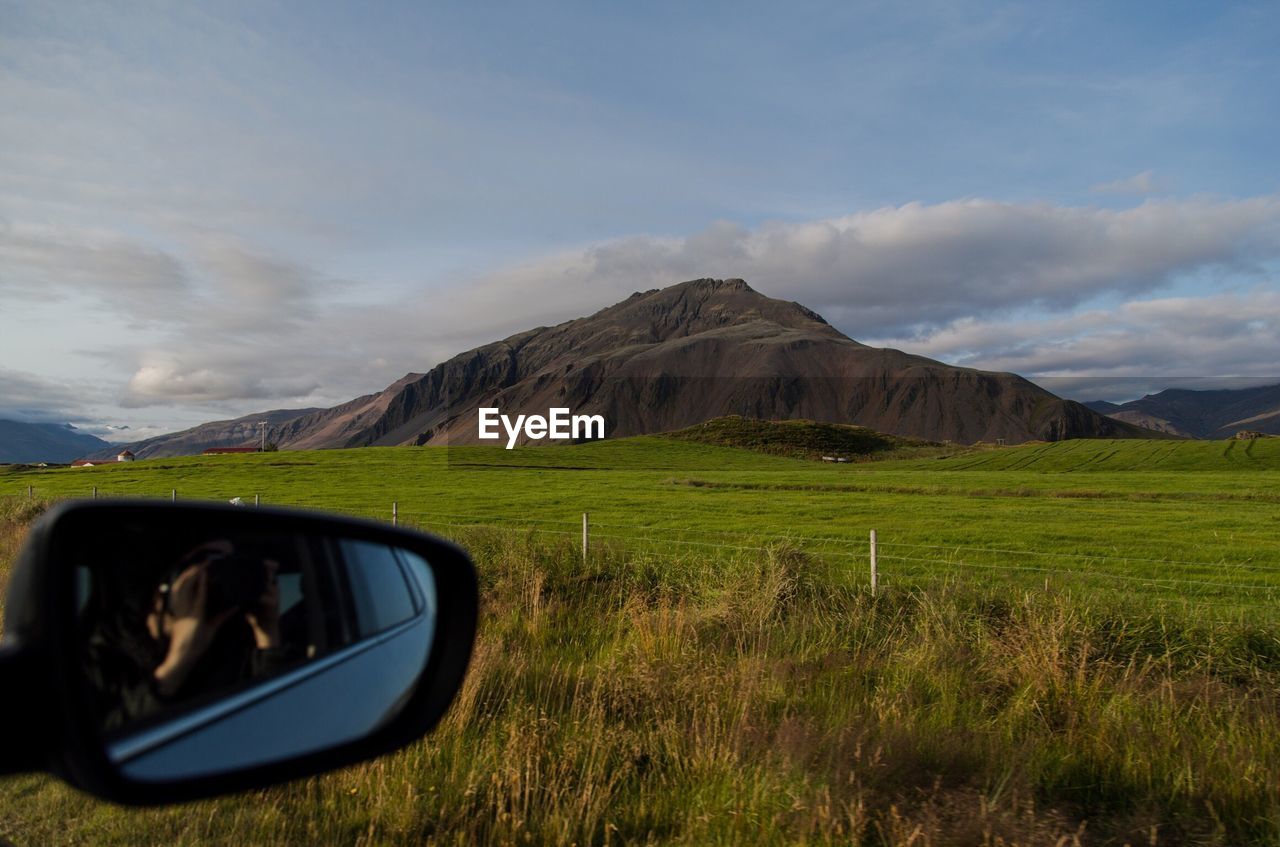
[668, 358]
[1201, 413]
[22, 442]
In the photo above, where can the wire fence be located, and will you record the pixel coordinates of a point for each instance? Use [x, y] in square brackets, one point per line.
[1218, 591]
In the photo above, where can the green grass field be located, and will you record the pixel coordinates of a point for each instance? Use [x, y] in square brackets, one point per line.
[1073, 643]
[1187, 525]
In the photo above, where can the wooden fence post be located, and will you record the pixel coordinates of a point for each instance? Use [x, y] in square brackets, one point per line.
[29, 494]
[395, 513]
[257, 500]
[95, 492]
[584, 538]
[173, 495]
[874, 575]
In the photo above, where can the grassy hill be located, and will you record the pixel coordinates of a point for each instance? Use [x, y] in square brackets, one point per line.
[803, 439]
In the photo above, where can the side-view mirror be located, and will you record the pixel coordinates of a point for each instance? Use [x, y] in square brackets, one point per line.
[161, 652]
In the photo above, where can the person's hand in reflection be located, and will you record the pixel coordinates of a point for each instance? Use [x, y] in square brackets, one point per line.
[184, 619]
[264, 616]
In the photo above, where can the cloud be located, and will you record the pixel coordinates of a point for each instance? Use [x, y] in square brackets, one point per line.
[1216, 340]
[254, 283]
[1140, 185]
[30, 398]
[240, 329]
[918, 266]
[227, 323]
[56, 263]
[210, 271]
[951, 281]
[181, 380]
[337, 352]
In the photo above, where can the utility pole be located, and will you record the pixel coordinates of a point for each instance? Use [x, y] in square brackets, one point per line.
[262, 425]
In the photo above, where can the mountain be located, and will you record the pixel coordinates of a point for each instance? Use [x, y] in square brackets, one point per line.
[289, 429]
[669, 358]
[241, 432]
[1217, 413]
[46, 442]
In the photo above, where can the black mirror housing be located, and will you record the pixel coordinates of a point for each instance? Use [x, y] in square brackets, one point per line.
[420, 648]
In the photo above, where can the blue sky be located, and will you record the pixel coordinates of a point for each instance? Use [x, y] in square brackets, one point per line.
[210, 211]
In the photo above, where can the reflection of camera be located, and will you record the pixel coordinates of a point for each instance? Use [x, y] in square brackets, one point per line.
[235, 581]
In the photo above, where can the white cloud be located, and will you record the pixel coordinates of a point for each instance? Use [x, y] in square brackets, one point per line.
[1215, 340]
[41, 262]
[226, 323]
[183, 381]
[916, 266]
[240, 330]
[32, 398]
[1140, 185]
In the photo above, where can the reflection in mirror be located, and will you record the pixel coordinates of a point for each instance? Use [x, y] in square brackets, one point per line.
[207, 651]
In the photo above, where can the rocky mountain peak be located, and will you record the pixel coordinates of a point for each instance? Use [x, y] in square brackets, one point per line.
[697, 306]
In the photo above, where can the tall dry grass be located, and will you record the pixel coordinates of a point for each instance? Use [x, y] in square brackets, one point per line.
[16, 515]
[683, 700]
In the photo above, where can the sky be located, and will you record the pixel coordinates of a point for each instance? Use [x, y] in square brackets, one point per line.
[208, 210]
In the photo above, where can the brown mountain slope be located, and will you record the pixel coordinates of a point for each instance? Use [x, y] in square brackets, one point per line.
[321, 428]
[669, 358]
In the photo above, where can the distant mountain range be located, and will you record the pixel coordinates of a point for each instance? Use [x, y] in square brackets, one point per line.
[1201, 414]
[240, 432]
[666, 359]
[46, 442]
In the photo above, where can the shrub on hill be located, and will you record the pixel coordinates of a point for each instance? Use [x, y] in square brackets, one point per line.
[797, 438]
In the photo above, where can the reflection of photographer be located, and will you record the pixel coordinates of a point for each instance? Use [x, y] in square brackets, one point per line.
[219, 607]
[208, 624]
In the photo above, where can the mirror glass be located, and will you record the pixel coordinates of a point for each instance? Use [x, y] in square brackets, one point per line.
[206, 650]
